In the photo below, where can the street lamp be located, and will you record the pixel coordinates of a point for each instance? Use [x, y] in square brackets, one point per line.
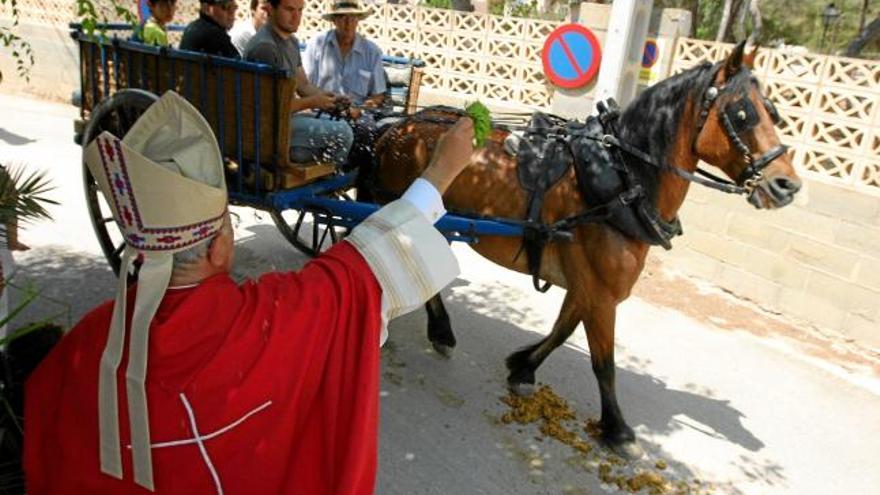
[829, 16]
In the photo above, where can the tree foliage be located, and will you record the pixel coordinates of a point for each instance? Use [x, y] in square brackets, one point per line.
[783, 21]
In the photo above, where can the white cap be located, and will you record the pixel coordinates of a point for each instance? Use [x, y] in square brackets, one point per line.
[164, 183]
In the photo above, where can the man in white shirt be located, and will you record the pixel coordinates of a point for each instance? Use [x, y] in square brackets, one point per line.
[243, 30]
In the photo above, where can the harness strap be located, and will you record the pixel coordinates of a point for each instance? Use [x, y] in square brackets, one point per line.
[716, 182]
[761, 163]
[534, 238]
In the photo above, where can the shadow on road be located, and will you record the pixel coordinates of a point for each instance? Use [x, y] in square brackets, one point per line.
[476, 373]
[70, 284]
[14, 139]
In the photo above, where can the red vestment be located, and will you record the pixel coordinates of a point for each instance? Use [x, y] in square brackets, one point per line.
[270, 387]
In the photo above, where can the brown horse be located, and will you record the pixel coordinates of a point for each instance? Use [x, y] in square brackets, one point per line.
[715, 113]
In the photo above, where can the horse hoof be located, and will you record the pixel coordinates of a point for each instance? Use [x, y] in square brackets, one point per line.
[443, 349]
[522, 389]
[630, 450]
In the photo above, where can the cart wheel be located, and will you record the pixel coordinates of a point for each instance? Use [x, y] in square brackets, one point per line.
[304, 233]
[117, 115]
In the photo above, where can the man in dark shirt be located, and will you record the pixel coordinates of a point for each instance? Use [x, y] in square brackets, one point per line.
[208, 33]
[312, 139]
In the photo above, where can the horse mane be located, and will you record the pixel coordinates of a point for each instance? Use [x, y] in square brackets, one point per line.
[651, 121]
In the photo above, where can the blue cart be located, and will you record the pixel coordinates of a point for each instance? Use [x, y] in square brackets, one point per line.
[245, 104]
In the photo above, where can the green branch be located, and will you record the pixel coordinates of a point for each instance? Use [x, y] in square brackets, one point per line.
[91, 21]
[22, 52]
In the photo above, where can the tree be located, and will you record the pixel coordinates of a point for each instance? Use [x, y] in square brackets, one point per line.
[869, 34]
[754, 13]
[724, 25]
[463, 5]
[863, 16]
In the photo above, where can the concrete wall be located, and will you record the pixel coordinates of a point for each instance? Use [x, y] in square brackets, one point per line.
[817, 259]
[55, 73]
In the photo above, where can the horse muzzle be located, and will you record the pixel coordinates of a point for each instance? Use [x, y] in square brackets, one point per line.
[774, 192]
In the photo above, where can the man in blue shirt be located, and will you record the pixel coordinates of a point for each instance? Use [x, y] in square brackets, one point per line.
[343, 61]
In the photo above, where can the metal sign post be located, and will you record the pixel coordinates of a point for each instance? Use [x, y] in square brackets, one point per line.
[624, 47]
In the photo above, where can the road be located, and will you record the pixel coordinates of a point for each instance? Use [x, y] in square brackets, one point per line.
[729, 399]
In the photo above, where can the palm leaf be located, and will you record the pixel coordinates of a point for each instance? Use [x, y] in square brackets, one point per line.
[22, 194]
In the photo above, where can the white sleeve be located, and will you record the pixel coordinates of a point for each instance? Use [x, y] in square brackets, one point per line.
[410, 259]
[425, 197]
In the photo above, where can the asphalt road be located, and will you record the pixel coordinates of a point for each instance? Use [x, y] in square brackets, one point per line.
[727, 398]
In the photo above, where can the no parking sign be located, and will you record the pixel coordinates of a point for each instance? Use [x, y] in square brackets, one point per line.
[650, 70]
[571, 56]
[649, 55]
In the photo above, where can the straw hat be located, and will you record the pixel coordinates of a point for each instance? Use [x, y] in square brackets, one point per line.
[346, 7]
[165, 185]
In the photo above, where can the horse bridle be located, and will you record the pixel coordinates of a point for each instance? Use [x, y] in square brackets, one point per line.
[737, 117]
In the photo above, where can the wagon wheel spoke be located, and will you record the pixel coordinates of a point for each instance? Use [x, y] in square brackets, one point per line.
[299, 221]
[127, 117]
[315, 227]
[328, 228]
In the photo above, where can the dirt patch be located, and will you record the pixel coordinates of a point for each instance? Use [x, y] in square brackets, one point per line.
[727, 311]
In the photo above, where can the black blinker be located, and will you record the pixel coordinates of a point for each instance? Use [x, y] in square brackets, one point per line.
[742, 115]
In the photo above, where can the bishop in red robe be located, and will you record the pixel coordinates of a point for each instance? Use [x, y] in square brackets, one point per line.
[269, 387]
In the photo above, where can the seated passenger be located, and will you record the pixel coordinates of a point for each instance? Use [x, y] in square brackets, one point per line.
[243, 30]
[208, 33]
[152, 31]
[343, 61]
[312, 139]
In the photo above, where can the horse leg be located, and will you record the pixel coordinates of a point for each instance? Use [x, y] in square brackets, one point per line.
[523, 363]
[599, 325]
[439, 329]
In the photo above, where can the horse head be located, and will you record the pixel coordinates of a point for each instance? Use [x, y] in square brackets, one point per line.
[736, 133]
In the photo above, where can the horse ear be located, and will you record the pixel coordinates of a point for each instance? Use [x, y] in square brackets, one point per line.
[734, 60]
[749, 57]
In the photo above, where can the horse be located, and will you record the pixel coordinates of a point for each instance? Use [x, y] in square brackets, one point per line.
[711, 112]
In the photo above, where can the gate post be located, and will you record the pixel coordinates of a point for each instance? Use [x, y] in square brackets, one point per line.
[622, 52]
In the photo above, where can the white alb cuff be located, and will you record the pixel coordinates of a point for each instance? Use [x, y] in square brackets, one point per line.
[425, 197]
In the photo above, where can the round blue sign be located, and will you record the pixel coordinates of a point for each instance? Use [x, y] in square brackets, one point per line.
[649, 56]
[571, 56]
